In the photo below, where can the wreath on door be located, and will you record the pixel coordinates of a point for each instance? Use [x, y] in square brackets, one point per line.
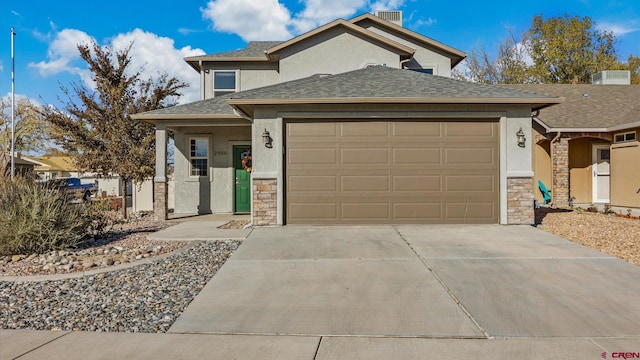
[246, 162]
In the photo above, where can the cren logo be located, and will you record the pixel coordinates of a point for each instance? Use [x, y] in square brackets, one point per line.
[604, 355]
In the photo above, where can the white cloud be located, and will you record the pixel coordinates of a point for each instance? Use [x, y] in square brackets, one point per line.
[387, 5]
[425, 22]
[618, 29]
[272, 20]
[320, 12]
[158, 55]
[153, 53]
[250, 19]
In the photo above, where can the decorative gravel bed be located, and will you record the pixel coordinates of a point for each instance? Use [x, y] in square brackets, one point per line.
[127, 243]
[616, 236]
[144, 298]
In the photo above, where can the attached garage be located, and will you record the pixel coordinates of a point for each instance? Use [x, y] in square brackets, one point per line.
[392, 172]
[390, 146]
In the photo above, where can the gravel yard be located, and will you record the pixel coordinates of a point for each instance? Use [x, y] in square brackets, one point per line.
[616, 236]
[144, 298]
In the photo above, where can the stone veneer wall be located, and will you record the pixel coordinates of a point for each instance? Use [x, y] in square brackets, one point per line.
[160, 201]
[560, 155]
[264, 202]
[520, 201]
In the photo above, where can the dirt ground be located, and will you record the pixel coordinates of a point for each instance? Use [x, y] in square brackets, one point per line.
[616, 236]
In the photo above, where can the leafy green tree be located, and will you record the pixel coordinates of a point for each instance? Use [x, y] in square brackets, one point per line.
[95, 126]
[31, 131]
[568, 50]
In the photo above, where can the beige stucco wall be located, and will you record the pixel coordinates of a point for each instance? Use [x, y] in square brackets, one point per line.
[332, 52]
[251, 75]
[212, 194]
[425, 56]
[625, 173]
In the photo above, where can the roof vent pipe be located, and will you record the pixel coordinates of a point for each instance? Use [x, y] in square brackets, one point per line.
[393, 16]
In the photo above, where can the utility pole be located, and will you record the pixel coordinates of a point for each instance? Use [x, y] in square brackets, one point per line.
[13, 106]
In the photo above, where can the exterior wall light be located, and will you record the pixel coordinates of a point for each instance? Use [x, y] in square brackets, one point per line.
[521, 138]
[266, 139]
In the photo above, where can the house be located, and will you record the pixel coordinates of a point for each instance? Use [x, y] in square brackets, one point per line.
[586, 149]
[55, 167]
[23, 166]
[355, 122]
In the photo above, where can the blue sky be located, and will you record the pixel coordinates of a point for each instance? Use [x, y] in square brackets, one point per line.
[164, 31]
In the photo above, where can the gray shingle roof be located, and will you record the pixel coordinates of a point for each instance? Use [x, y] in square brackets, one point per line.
[215, 106]
[253, 49]
[384, 82]
[603, 106]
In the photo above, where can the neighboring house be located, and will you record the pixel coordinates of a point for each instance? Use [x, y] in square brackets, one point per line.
[22, 166]
[356, 122]
[55, 167]
[586, 149]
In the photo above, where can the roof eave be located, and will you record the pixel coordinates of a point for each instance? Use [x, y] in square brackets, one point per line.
[340, 22]
[539, 102]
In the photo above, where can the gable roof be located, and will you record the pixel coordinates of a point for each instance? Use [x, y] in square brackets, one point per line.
[403, 50]
[54, 163]
[455, 54]
[380, 84]
[589, 107]
[254, 51]
[213, 108]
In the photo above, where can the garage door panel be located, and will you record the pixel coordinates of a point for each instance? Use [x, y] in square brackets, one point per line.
[471, 155]
[364, 183]
[313, 131]
[313, 183]
[417, 156]
[471, 212]
[312, 156]
[417, 211]
[355, 129]
[413, 183]
[469, 130]
[365, 210]
[412, 174]
[364, 156]
[417, 129]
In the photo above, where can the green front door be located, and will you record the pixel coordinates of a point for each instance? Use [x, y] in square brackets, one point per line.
[243, 177]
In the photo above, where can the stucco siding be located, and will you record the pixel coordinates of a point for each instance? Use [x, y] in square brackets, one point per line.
[214, 193]
[332, 52]
[250, 75]
[625, 173]
[424, 57]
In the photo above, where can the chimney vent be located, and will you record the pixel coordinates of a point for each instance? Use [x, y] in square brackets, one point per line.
[393, 16]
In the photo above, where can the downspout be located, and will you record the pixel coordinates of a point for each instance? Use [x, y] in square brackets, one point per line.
[202, 82]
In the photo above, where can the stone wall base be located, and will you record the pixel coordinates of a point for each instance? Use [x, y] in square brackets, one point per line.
[520, 201]
[160, 201]
[265, 201]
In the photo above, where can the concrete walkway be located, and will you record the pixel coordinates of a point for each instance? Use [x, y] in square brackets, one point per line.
[382, 292]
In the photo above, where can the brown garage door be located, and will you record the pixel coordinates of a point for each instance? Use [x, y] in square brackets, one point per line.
[392, 172]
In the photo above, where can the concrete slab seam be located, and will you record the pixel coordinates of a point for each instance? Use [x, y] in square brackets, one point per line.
[41, 345]
[315, 355]
[457, 301]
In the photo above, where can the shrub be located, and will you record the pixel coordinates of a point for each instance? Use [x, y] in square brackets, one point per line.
[36, 218]
[101, 217]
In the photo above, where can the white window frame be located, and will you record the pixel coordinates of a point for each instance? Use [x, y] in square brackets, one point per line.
[226, 91]
[194, 157]
[626, 137]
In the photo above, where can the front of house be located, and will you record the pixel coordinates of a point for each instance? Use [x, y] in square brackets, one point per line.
[356, 122]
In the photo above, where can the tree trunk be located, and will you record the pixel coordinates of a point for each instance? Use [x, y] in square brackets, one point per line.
[123, 186]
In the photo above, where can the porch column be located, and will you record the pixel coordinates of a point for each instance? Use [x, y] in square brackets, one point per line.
[560, 156]
[160, 180]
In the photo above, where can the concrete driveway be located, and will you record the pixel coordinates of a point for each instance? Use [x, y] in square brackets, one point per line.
[436, 281]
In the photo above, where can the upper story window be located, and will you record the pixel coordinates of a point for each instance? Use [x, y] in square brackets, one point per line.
[624, 137]
[224, 82]
[199, 156]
